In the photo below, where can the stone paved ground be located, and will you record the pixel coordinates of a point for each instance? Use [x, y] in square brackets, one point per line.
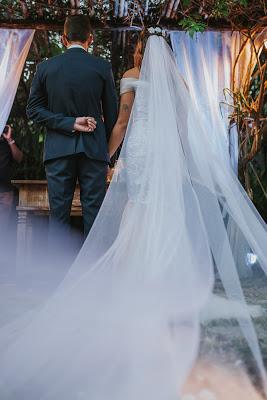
[255, 291]
[223, 339]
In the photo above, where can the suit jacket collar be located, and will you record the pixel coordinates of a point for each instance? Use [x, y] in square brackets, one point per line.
[76, 46]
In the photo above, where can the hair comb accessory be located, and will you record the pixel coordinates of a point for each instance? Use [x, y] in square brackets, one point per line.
[157, 31]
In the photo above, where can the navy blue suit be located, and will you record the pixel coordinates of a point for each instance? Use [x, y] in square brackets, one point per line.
[74, 84]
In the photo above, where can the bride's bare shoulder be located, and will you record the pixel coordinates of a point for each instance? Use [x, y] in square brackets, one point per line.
[132, 73]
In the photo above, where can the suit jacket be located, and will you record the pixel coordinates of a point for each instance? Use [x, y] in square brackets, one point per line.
[74, 84]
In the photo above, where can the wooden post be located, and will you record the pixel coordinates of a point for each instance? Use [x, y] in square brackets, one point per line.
[22, 242]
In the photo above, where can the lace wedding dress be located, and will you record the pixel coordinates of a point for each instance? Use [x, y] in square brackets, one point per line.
[137, 144]
[125, 322]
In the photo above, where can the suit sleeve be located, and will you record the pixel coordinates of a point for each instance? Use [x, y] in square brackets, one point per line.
[37, 109]
[109, 103]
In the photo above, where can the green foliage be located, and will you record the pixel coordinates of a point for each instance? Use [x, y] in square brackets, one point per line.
[192, 25]
[258, 181]
[196, 16]
[186, 3]
[242, 2]
[221, 9]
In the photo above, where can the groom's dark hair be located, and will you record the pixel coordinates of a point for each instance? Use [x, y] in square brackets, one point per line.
[77, 28]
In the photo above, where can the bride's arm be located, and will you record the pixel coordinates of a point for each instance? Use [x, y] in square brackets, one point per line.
[119, 130]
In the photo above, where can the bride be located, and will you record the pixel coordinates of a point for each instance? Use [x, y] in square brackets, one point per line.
[125, 322]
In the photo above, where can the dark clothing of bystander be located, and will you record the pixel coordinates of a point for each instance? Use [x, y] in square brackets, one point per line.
[6, 164]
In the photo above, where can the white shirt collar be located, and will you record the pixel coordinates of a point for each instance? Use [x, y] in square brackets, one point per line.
[76, 46]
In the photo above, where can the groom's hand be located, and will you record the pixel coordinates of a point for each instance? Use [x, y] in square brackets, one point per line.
[85, 124]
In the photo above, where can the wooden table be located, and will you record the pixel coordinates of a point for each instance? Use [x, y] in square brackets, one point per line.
[33, 200]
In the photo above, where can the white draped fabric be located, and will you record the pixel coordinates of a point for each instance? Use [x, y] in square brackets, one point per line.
[207, 62]
[14, 48]
[211, 62]
[201, 61]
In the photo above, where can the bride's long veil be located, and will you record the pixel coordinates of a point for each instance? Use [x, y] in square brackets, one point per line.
[124, 324]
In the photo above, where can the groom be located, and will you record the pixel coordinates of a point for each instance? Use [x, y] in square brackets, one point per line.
[73, 96]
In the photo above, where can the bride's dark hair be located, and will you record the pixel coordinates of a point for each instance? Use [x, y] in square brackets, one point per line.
[139, 49]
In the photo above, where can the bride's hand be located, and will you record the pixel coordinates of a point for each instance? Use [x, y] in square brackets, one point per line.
[110, 174]
[85, 124]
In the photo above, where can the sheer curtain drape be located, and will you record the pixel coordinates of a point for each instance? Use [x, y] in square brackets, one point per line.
[207, 62]
[14, 48]
[211, 62]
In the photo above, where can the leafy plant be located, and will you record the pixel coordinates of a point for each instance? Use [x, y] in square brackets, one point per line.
[221, 9]
[192, 25]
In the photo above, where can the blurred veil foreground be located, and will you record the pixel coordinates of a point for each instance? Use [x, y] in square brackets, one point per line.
[125, 322]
